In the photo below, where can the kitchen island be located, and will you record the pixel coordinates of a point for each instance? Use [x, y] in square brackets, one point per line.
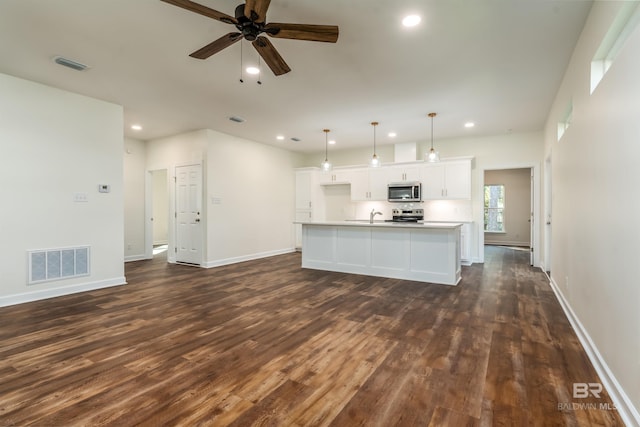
[424, 252]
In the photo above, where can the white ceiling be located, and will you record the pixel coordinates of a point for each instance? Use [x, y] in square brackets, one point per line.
[497, 63]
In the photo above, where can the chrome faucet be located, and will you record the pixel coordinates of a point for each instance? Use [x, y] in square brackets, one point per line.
[372, 214]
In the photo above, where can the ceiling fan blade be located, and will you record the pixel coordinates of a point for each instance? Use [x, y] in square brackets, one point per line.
[203, 10]
[259, 9]
[271, 56]
[216, 46]
[315, 33]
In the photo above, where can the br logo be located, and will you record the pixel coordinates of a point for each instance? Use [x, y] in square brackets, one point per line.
[584, 390]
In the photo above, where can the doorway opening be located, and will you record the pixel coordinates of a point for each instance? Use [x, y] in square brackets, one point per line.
[508, 209]
[158, 241]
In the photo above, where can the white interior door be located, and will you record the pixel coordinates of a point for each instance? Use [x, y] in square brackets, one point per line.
[188, 214]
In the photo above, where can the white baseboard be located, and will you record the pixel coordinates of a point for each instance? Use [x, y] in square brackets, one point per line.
[506, 243]
[243, 258]
[136, 258]
[60, 291]
[623, 404]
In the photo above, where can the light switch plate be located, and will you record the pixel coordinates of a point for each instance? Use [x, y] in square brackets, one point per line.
[80, 197]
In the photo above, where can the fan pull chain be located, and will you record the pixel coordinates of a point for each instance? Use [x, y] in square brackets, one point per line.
[259, 70]
[241, 43]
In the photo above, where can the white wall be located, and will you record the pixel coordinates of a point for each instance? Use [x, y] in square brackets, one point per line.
[167, 153]
[255, 186]
[134, 188]
[252, 185]
[55, 144]
[595, 253]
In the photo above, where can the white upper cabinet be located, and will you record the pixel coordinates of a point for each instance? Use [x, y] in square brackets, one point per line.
[403, 173]
[446, 180]
[449, 179]
[369, 184]
[335, 177]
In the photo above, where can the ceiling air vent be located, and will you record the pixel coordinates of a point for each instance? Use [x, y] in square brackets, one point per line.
[69, 63]
[236, 119]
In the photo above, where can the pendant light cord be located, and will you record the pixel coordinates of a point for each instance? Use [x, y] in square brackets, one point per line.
[326, 144]
[241, 43]
[432, 115]
[374, 124]
[432, 132]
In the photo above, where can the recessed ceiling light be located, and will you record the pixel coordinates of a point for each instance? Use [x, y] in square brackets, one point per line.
[332, 142]
[392, 135]
[253, 70]
[280, 137]
[469, 124]
[411, 20]
[136, 127]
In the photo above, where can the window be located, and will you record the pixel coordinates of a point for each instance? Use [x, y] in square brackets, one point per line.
[622, 26]
[494, 208]
[564, 124]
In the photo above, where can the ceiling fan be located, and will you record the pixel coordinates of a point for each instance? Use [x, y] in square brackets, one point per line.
[250, 23]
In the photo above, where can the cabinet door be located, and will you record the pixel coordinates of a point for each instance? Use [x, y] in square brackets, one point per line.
[378, 184]
[432, 178]
[335, 177]
[403, 173]
[465, 243]
[304, 189]
[457, 178]
[360, 185]
[301, 215]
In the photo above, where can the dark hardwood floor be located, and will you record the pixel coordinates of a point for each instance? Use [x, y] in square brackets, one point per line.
[267, 343]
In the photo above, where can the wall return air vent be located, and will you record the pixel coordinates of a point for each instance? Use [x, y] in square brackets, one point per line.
[56, 264]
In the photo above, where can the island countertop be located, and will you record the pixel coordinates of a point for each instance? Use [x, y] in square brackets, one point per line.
[366, 223]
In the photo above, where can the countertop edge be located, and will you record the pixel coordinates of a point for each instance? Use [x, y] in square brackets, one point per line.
[434, 225]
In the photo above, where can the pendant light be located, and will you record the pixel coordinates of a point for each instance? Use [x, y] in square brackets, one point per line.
[375, 161]
[432, 156]
[326, 166]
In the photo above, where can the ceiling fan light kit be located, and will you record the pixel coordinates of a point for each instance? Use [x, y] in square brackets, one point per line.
[250, 23]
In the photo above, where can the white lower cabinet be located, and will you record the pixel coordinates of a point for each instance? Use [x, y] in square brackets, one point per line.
[301, 215]
[418, 253]
[465, 243]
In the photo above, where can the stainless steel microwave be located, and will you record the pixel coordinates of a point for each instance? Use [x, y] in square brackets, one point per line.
[404, 192]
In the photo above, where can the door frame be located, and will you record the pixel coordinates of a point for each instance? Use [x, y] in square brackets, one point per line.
[173, 223]
[479, 218]
[148, 210]
[171, 189]
[548, 210]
